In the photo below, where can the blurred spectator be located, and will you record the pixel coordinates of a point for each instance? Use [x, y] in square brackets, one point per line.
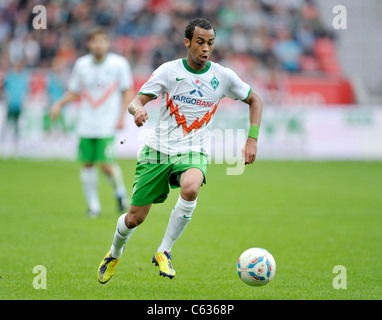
[305, 36]
[48, 44]
[31, 51]
[15, 52]
[260, 45]
[287, 50]
[66, 53]
[148, 32]
[163, 51]
[5, 28]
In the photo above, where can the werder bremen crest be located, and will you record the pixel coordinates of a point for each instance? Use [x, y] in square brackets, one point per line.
[214, 82]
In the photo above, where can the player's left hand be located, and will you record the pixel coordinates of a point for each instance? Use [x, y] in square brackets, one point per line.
[249, 151]
[140, 117]
[55, 111]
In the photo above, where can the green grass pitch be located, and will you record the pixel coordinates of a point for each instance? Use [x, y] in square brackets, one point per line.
[312, 216]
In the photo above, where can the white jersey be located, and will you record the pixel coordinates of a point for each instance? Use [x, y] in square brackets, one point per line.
[100, 86]
[190, 99]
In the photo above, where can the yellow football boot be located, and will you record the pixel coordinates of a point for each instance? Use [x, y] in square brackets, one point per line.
[163, 260]
[106, 268]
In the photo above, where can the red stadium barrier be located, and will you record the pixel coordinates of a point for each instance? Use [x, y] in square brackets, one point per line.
[333, 90]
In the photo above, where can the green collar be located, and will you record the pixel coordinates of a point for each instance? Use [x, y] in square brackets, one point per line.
[188, 68]
[100, 62]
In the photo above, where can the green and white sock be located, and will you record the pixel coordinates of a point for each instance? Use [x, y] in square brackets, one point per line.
[180, 217]
[89, 179]
[121, 236]
[116, 181]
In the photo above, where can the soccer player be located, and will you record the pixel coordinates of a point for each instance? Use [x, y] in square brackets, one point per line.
[175, 154]
[16, 89]
[104, 82]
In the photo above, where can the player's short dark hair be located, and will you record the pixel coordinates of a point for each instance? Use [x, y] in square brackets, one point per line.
[197, 22]
[96, 31]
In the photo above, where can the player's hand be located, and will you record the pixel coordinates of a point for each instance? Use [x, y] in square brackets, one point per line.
[140, 117]
[249, 151]
[55, 111]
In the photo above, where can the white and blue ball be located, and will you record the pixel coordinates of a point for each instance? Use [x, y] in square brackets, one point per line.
[256, 267]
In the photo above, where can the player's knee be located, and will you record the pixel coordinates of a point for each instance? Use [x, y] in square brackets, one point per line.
[133, 220]
[190, 191]
[190, 182]
[107, 168]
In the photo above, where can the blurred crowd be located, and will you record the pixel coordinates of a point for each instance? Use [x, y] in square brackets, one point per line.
[256, 38]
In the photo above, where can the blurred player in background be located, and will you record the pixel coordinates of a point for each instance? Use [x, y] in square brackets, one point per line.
[175, 155]
[16, 89]
[104, 82]
[56, 88]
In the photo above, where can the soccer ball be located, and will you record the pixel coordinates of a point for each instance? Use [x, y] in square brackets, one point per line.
[256, 267]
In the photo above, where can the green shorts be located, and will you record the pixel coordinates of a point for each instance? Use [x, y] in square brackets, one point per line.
[96, 150]
[49, 125]
[157, 172]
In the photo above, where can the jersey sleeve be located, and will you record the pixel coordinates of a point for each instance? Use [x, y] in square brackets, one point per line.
[236, 89]
[74, 84]
[157, 83]
[126, 80]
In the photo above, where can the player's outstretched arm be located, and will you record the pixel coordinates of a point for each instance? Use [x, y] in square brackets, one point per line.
[57, 106]
[127, 96]
[136, 108]
[255, 111]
